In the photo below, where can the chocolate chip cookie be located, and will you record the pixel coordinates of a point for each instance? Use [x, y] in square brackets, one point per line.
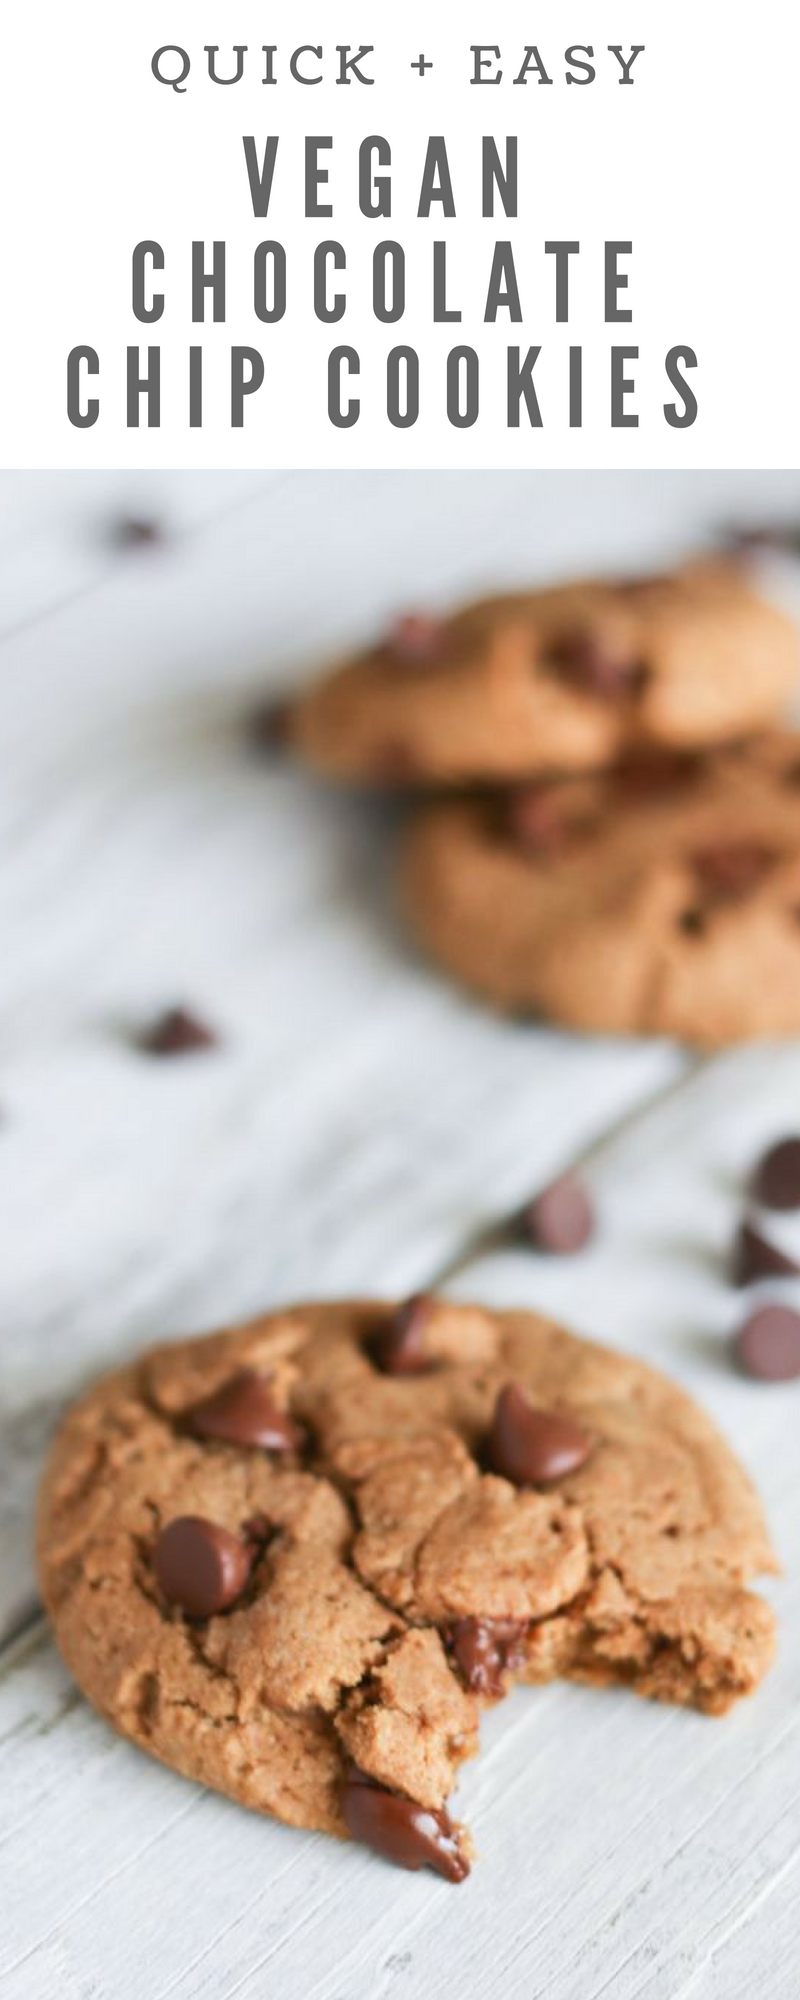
[662, 897]
[553, 680]
[293, 1560]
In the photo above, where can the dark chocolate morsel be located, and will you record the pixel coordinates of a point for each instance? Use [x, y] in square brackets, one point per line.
[768, 1344]
[561, 1218]
[200, 1566]
[243, 1411]
[397, 1346]
[416, 639]
[137, 531]
[534, 820]
[731, 870]
[485, 1648]
[176, 1033]
[777, 1177]
[269, 725]
[532, 1446]
[413, 1836]
[595, 666]
[754, 1257]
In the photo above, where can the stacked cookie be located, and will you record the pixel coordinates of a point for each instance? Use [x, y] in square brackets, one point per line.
[612, 832]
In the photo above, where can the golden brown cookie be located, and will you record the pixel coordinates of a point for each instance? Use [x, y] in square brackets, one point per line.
[660, 898]
[553, 680]
[293, 1559]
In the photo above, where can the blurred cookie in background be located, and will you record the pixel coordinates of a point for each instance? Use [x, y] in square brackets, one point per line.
[548, 681]
[662, 897]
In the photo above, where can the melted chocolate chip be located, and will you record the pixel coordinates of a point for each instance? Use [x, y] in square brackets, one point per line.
[486, 1648]
[176, 1033]
[561, 1218]
[535, 821]
[755, 1257]
[768, 1345]
[201, 1567]
[656, 774]
[731, 870]
[416, 639]
[531, 1446]
[777, 1177]
[397, 1347]
[243, 1412]
[413, 1836]
[597, 667]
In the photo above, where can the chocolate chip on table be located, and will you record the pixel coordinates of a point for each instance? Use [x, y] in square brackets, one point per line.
[176, 1033]
[416, 638]
[413, 1836]
[561, 1218]
[731, 870]
[776, 1183]
[484, 1649]
[531, 1446]
[754, 1257]
[137, 531]
[268, 726]
[244, 1412]
[201, 1567]
[397, 1346]
[597, 667]
[768, 1344]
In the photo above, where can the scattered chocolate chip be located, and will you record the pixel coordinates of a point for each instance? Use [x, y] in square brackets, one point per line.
[777, 1177]
[176, 1033]
[768, 1344]
[561, 1218]
[597, 667]
[754, 1257]
[416, 639]
[411, 1835]
[486, 1648]
[243, 1412]
[200, 1566]
[534, 819]
[397, 1347]
[137, 532]
[692, 923]
[732, 869]
[268, 726]
[530, 1446]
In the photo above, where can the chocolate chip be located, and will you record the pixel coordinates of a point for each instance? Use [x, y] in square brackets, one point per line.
[731, 870]
[176, 1033]
[243, 1412]
[561, 1218]
[413, 1836]
[777, 1176]
[534, 820]
[768, 1345]
[754, 1257]
[596, 666]
[200, 1566]
[137, 532]
[530, 1446]
[655, 774]
[268, 727]
[416, 639]
[486, 1648]
[397, 1346]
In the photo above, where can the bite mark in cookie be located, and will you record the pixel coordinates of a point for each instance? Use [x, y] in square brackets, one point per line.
[313, 1631]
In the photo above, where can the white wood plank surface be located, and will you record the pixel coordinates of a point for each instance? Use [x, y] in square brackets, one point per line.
[358, 1124]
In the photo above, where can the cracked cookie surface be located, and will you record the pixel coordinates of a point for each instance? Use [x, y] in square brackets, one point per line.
[385, 1582]
[662, 897]
[554, 680]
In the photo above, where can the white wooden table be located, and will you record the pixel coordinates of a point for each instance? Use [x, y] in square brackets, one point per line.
[358, 1123]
